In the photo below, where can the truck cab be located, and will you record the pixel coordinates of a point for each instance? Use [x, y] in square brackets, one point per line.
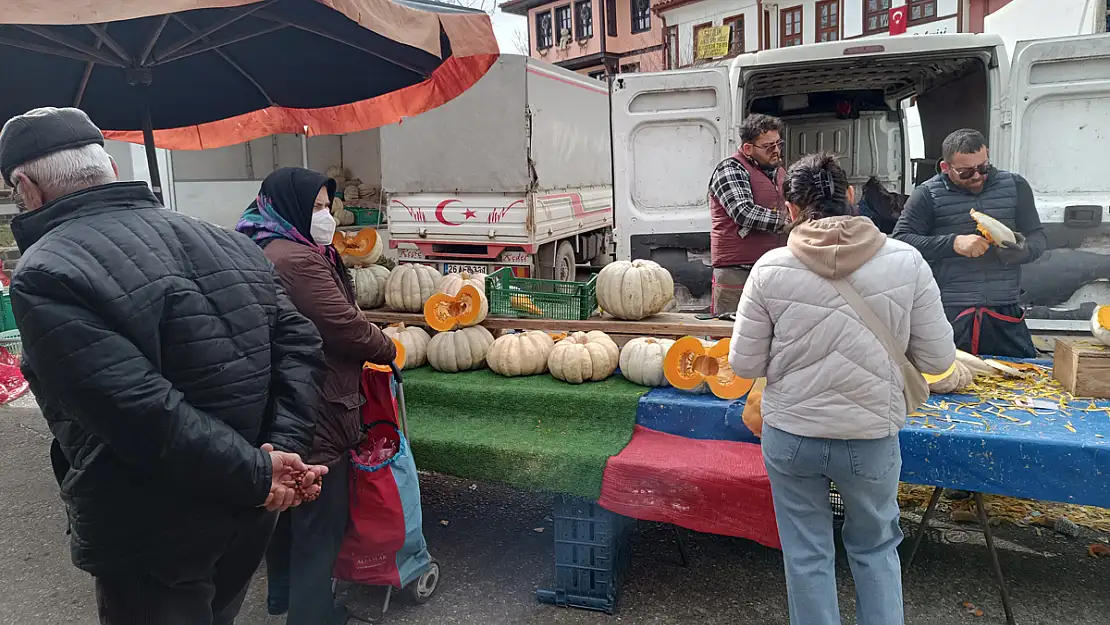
[1046, 116]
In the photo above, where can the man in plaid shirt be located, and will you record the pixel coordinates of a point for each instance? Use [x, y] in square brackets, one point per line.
[747, 207]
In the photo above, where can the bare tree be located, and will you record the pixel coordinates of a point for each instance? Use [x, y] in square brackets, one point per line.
[489, 6]
[520, 42]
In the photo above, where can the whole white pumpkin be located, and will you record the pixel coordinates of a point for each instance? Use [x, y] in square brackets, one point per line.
[584, 356]
[370, 286]
[524, 353]
[459, 350]
[452, 282]
[415, 341]
[642, 361]
[409, 286]
[634, 290]
[1100, 324]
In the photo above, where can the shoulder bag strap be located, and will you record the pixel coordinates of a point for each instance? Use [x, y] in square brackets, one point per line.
[871, 320]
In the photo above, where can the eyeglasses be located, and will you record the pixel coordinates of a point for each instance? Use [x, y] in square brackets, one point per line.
[966, 173]
[777, 146]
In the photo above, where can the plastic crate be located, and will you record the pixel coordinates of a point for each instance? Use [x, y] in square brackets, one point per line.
[11, 341]
[837, 503]
[591, 555]
[510, 296]
[7, 316]
[366, 216]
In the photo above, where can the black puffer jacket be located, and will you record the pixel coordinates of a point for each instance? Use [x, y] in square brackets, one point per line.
[163, 353]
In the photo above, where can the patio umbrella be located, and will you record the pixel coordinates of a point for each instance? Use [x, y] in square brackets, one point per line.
[196, 74]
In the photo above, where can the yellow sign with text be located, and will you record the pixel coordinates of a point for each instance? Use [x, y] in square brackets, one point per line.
[713, 42]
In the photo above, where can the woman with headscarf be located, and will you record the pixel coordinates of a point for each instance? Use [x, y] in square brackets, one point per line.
[292, 222]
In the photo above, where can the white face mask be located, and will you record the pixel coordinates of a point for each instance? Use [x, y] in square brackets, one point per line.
[323, 227]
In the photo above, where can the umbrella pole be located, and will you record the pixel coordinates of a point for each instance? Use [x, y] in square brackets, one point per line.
[151, 153]
[140, 79]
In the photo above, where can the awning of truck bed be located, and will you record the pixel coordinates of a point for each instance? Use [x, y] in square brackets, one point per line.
[221, 72]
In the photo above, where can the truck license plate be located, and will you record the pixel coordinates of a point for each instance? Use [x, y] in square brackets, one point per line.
[471, 269]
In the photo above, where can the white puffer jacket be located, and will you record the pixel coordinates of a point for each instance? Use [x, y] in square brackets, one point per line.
[828, 376]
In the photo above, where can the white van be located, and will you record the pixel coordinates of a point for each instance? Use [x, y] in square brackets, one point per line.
[1046, 116]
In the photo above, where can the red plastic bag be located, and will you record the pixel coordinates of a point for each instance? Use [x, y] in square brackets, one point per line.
[12, 383]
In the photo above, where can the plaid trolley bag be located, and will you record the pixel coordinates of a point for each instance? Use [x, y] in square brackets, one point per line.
[384, 544]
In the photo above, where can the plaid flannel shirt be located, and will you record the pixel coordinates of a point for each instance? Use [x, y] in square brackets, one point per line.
[732, 187]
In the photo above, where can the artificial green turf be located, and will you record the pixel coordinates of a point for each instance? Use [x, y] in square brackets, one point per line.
[532, 432]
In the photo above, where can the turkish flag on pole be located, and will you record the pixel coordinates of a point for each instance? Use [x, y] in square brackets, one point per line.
[898, 20]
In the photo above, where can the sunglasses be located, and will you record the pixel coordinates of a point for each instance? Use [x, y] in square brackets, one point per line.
[777, 146]
[966, 173]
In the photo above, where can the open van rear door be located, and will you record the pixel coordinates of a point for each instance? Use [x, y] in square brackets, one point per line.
[670, 130]
[1058, 117]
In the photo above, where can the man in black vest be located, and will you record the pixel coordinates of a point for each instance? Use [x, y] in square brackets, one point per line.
[980, 283]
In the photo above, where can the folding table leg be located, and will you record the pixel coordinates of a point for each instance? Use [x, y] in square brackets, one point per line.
[922, 527]
[985, 522]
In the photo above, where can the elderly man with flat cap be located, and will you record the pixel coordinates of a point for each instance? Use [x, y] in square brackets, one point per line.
[178, 380]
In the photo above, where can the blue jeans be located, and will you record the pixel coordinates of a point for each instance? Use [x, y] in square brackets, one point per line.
[866, 474]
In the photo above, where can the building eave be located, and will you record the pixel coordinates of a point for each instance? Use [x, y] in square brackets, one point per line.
[521, 7]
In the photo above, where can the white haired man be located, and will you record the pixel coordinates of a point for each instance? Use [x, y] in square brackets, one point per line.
[169, 364]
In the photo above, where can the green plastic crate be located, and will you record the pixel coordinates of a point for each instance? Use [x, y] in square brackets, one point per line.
[366, 216]
[7, 317]
[510, 296]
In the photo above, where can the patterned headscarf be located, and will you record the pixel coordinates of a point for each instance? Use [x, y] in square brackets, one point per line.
[283, 210]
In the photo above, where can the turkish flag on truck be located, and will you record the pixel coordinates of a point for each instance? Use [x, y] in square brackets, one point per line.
[898, 20]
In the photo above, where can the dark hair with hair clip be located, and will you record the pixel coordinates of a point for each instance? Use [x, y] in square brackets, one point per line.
[818, 186]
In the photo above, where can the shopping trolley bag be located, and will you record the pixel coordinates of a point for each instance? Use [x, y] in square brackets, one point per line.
[384, 543]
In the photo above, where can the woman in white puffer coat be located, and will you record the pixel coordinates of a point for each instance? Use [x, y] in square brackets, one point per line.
[833, 405]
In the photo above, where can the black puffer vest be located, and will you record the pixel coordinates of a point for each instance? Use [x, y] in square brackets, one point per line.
[982, 281]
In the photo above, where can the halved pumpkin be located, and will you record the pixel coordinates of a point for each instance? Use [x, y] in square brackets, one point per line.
[557, 336]
[398, 360]
[443, 312]
[689, 362]
[361, 243]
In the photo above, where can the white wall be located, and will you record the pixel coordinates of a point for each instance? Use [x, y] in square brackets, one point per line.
[851, 13]
[1021, 20]
[714, 11]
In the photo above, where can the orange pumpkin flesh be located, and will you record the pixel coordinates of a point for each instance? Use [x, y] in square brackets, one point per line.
[444, 312]
[339, 242]
[362, 243]
[688, 363]
[1103, 317]
[398, 360]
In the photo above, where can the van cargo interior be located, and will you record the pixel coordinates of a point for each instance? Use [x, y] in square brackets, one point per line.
[951, 92]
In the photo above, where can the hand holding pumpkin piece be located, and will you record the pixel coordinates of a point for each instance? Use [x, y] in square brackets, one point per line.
[398, 360]
[994, 231]
[414, 340]
[692, 363]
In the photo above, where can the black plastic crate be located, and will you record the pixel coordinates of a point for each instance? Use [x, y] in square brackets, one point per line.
[591, 555]
[836, 502]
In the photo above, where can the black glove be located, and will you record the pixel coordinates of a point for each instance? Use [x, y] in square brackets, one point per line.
[1014, 253]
